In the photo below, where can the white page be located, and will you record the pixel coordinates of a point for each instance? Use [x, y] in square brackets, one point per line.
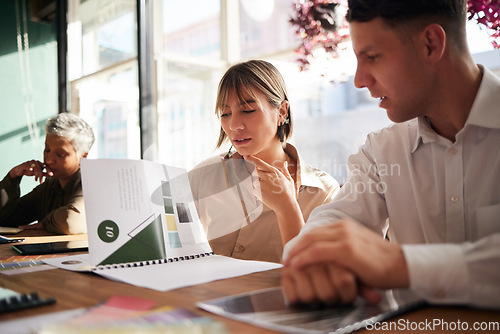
[137, 193]
[139, 207]
[173, 275]
[79, 262]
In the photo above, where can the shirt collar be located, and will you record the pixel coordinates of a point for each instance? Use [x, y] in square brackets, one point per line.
[425, 133]
[484, 111]
[72, 183]
[75, 180]
[306, 175]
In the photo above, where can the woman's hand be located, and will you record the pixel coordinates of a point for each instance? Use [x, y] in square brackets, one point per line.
[276, 185]
[279, 193]
[31, 168]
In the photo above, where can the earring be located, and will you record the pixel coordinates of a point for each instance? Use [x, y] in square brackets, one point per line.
[281, 132]
[228, 153]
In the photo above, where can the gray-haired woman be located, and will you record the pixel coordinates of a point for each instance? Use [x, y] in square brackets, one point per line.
[57, 203]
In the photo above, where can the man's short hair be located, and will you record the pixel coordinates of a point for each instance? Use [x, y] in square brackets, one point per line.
[407, 15]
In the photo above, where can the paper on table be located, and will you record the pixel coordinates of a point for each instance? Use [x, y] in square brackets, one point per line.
[115, 308]
[117, 319]
[30, 325]
[80, 262]
[20, 264]
[139, 210]
[172, 275]
[144, 229]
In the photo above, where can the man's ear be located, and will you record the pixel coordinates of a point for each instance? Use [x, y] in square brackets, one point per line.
[85, 155]
[434, 39]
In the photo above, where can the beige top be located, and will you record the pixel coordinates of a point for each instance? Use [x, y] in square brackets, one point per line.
[237, 223]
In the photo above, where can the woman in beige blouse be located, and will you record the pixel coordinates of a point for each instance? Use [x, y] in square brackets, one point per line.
[246, 198]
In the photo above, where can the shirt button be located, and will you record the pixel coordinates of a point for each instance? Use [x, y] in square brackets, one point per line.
[256, 183]
[241, 249]
[453, 151]
[454, 199]
[254, 215]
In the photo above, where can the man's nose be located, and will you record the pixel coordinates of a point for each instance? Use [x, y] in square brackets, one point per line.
[363, 78]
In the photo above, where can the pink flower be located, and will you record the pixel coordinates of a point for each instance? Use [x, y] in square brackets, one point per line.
[487, 13]
[318, 26]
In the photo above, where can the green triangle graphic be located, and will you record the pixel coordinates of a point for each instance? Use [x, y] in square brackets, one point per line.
[146, 245]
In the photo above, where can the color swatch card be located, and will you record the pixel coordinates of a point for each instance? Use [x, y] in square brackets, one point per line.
[20, 264]
[143, 228]
[124, 314]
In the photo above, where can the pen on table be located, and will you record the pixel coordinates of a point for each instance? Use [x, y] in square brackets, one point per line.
[5, 240]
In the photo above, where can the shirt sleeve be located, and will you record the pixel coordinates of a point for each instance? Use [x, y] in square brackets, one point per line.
[332, 188]
[467, 273]
[9, 191]
[10, 214]
[67, 219]
[360, 198]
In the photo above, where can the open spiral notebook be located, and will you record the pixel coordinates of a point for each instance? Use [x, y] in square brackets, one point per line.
[143, 228]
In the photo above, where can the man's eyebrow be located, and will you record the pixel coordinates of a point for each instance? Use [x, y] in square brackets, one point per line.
[365, 50]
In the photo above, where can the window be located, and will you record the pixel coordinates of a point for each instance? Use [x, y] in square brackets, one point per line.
[331, 120]
[189, 65]
[194, 42]
[102, 70]
[28, 94]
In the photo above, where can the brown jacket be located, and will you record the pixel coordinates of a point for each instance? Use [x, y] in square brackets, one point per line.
[61, 211]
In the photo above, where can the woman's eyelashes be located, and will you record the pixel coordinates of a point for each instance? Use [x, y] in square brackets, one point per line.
[246, 111]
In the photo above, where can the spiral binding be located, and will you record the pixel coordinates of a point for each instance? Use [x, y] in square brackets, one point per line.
[152, 262]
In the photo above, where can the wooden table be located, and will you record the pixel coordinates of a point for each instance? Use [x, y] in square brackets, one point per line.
[76, 290]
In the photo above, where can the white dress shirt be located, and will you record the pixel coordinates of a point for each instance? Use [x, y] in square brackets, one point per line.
[439, 199]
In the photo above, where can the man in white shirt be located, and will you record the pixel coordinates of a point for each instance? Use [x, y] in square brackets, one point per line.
[432, 180]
